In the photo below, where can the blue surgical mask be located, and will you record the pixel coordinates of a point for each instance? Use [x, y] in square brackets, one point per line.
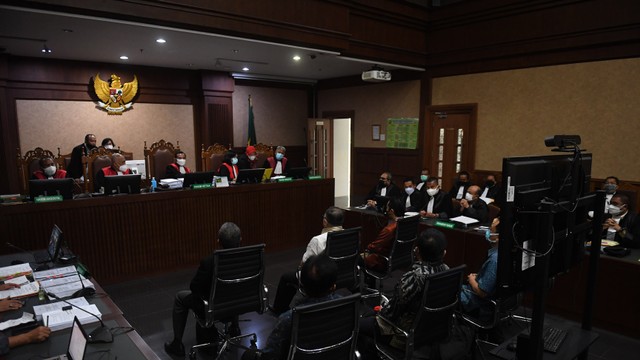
[279, 156]
[234, 161]
[409, 190]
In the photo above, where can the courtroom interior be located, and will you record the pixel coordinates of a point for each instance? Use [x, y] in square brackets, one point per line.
[279, 117]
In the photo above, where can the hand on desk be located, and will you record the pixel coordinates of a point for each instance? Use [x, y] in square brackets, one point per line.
[428, 214]
[8, 286]
[371, 203]
[39, 334]
[10, 304]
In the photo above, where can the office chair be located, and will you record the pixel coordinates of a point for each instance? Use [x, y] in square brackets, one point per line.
[433, 322]
[237, 288]
[401, 255]
[326, 330]
[344, 248]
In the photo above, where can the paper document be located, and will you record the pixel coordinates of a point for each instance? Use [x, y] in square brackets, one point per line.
[47, 283]
[12, 271]
[55, 273]
[26, 288]
[57, 306]
[487, 200]
[66, 290]
[464, 219]
[26, 318]
[59, 320]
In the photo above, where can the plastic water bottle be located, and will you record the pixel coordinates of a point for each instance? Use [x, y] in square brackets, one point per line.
[154, 184]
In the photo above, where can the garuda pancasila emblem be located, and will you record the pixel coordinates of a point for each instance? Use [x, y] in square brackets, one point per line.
[115, 98]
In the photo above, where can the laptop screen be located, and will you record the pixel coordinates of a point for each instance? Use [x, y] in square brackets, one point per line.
[77, 342]
[54, 243]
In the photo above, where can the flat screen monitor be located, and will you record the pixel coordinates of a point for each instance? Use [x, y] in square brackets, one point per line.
[51, 187]
[299, 172]
[205, 177]
[561, 180]
[122, 184]
[250, 176]
[55, 243]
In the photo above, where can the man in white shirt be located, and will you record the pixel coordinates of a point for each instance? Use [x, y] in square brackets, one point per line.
[332, 220]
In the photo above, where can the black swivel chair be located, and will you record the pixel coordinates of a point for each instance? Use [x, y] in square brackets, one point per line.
[326, 330]
[237, 289]
[433, 322]
[344, 248]
[401, 255]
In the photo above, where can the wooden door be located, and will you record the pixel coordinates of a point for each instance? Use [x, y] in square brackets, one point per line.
[320, 147]
[452, 139]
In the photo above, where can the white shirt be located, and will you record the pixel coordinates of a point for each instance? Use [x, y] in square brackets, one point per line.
[419, 186]
[460, 194]
[318, 243]
[430, 205]
[182, 170]
[278, 168]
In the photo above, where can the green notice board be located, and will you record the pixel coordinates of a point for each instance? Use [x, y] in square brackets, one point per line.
[402, 133]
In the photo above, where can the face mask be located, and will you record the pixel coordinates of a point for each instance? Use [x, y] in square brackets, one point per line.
[252, 157]
[234, 161]
[181, 162]
[423, 178]
[468, 197]
[108, 147]
[409, 190]
[610, 188]
[460, 182]
[614, 210]
[489, 183]
[432, 192]
[123, 168]
[487, 236]
[49, 171]
[279, 156]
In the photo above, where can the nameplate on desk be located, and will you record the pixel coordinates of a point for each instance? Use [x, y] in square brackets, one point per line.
[47, 199]
[315, 177]
[287, 179]
[200, 186]
[444, 224]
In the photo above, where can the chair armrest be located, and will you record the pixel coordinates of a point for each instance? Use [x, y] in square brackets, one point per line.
[396, 329]
[475, 322]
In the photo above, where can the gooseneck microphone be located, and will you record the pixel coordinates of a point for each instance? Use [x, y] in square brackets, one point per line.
[99, 335]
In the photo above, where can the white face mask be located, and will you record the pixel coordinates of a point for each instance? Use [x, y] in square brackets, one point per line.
[50, 171]
[108, 147]
[614, 210]
[181, 162]
[123, 168]
[252, 157]
[432, 192]
[409, 190]
[468, 197]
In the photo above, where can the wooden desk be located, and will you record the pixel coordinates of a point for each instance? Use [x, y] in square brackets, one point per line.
[123, 236]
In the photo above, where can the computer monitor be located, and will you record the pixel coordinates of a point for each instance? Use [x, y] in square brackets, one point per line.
[122, 184]
[205, 177]
[55, 243]
[137, 167]
[299, 172]
[49, 187]
[250, 176]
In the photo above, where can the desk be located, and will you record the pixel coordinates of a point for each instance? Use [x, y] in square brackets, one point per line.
[616, 299]
[123, 236]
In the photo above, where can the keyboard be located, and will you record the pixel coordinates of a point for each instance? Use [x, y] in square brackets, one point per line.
[553, 338]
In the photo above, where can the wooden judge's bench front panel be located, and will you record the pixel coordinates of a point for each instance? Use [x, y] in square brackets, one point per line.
[121, 237]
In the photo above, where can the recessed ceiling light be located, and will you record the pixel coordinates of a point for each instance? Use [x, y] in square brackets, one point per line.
[296, 58]
[45, 49]
[245, 69]
[161, 41]
[67, 30]
[124, 57]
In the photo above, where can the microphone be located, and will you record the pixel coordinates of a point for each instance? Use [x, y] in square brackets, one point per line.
[85, 291]
[101, 334]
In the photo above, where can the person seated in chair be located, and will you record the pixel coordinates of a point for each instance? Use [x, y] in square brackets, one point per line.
[405, 303]
[288, 285]
[474, 207]
[461, 185]
[385, 187]
[48, 170]
[229, 237]
[422, 184]
[318, 278]
[381, 246]
[229, 167]
[177, 169]
[278, 162]
[413, 200]
[437, 203]
[481, 286]
[624, 225]
[491, 188]
[248, 160]
[108, 144]
[118, 167]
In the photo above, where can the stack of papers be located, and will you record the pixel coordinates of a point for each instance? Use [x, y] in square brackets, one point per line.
[62, 319]
[9, 272]
[26, 288]
[464, 220]
[62, 282]
[38, 310]
[171, 183]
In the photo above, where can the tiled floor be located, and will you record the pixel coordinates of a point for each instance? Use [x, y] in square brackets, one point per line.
[147, 304]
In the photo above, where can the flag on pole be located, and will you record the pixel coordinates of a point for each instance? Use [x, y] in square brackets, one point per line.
[251, 138]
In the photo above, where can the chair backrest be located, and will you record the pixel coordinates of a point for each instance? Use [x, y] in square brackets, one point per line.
[401, 255]
[158, 157]
[212, 157]
[439, 301]
[63, 160]
[28, 164]
[326, 330]
[262, 153]
[98, 158]
[344, 248]
[237, 285]
[494, 210]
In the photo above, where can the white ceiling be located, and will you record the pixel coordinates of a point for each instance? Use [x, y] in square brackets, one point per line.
[24, 32]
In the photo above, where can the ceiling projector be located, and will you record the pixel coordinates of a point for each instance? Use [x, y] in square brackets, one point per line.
[376, 76]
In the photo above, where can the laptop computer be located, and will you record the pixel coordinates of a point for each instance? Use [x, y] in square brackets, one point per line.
[53, 250]
[267, 174]
[77, 343]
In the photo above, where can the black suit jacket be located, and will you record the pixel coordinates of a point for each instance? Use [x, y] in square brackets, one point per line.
[454, 190]
[493, 192]
[477, 210]
[631, 223]
[75, 170]
[441, 204]
[392, 191]
[245, 163]
[417, 201]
